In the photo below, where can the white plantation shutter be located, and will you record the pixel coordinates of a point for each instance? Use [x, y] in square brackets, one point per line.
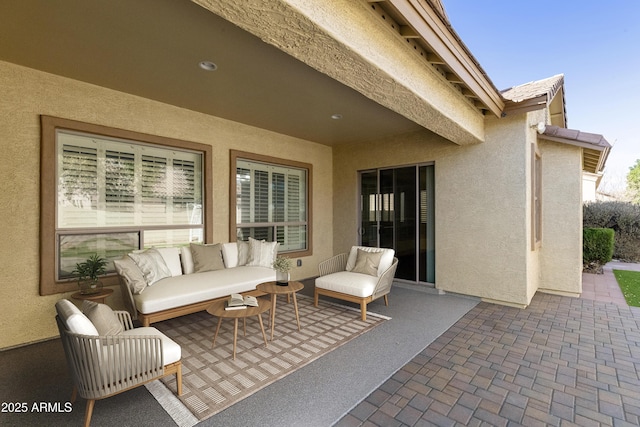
[108, 186]
[271, 203]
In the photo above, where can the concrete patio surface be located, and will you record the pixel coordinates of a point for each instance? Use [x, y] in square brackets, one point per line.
[562, 361]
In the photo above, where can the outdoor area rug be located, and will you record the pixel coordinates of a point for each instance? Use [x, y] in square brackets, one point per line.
[213, 381]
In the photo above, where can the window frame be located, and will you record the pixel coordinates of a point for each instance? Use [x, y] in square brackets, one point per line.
[49, 188]
[236, 155]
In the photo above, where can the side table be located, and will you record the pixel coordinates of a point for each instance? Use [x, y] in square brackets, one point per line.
[274, 290]
[217, 308]
[97, 297]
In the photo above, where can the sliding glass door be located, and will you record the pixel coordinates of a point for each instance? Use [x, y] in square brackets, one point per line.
[397, 211]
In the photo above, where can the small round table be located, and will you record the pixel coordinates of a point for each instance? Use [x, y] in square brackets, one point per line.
[217, 309]
[274, 290]
[99, 296]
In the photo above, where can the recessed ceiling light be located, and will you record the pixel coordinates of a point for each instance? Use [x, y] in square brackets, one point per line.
[208, 66]
[336, 116]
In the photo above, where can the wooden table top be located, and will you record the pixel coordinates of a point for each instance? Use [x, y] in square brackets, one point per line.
[273, 288]
[101, 294]
[217, 309]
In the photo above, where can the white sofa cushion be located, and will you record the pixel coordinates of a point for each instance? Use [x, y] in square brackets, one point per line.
[235, 254]
[186, 259]
[385, 261]
[188, 289]
[171, 351]
[171, 257]
[347, 282]
[74, 319]
[152, 265]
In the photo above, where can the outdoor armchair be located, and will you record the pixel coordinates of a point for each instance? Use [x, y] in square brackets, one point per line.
[104, 364]
[360, 276]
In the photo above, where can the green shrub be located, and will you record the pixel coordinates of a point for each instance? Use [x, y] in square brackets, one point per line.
[597, 247]
[624, 219]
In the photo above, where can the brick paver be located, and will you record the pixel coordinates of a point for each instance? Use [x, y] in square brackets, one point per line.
[561, 361]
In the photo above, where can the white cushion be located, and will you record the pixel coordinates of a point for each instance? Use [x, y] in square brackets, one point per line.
[187, 260]
[103, 318]
[346, 282]
[74, 319]
[385, 261]
[230, 254]
[188, 289]
[152, 265]
[130, 272]
[171, 257]
[261, 253]
[171, 351]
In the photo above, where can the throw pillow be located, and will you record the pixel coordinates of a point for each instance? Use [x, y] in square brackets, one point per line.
[74, 319]
[367, 262]
[152, 265]
[102, 317]
[131, 274]
[261, 253]
[186, 260]
[243, 253]
[207, 257]
[171, 257]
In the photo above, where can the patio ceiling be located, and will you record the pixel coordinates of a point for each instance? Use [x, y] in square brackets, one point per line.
[120, 45]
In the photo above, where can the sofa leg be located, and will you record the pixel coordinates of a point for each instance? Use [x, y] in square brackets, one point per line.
[315, 298]
[363, 310]
[386, 300]
[179, 379]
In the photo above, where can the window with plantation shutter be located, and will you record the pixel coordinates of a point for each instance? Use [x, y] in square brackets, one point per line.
[272, 201]
[111, 195]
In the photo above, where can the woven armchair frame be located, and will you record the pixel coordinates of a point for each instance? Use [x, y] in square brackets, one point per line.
[102, 366]
[337, 264]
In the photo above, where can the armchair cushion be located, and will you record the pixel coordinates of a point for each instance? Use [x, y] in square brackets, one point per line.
[73, 318]
[367, 263]
[171, 351]
[348, 282]
[385, 260]
[103, 318]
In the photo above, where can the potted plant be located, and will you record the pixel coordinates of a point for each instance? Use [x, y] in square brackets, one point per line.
[282, 265]
[88, 273]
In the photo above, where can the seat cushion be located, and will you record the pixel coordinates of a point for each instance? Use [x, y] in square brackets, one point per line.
[74, 319]
[385, 260]
[171, 350]
[347, 282]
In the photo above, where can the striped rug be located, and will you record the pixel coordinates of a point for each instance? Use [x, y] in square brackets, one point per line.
[213, 381]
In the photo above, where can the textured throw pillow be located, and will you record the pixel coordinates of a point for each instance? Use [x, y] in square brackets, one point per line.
[152, 265]
[102, 317]
[207, 257]
[186, 260]
[367, 262]
[129, 271]
[243, 253]
[74, 319]
[261, 253]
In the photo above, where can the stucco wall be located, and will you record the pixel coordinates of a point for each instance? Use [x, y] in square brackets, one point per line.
[26, 94]
[561, 251]
[480, 205]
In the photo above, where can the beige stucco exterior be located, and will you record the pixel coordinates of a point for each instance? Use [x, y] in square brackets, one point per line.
[27, 94]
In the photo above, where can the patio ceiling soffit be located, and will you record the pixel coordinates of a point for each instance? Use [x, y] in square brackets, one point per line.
[595, 148]
[287, 25]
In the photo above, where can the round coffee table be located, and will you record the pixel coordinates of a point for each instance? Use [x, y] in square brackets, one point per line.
[217, 309]
[274, 290]
[99, 296]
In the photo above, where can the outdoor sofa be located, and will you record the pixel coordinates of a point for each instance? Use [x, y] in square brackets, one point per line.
[163, 283]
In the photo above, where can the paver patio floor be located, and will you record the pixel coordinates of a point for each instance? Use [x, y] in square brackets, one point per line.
[561, 361]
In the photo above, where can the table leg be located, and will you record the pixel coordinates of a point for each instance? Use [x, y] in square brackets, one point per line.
[266, 344]
[295, 305]
[273, 312]
[216, 334]
[235, 336]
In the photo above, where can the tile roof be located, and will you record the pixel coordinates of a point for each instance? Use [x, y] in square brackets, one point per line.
[577, 136]
[595, 148]
[548, 86]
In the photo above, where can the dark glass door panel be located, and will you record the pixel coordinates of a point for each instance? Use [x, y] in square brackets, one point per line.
[405, 222]
[369, 209]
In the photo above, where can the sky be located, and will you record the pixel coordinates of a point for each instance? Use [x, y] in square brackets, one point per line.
[595, 44]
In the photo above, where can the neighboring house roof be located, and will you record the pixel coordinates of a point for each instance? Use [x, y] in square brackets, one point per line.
[539, 94]
[595, 148]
